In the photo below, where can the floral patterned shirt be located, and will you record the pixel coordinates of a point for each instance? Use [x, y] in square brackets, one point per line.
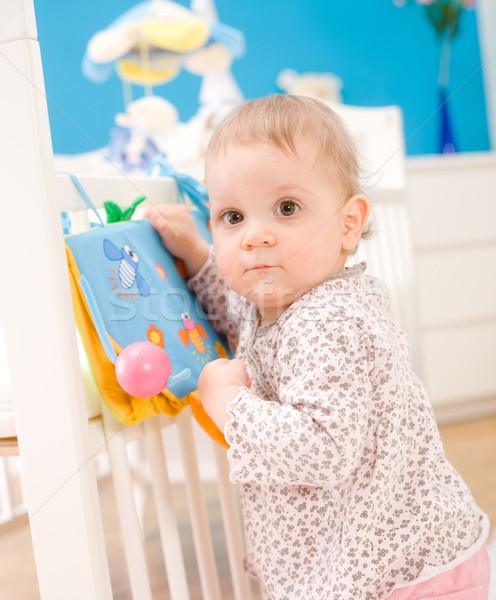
[345, 488]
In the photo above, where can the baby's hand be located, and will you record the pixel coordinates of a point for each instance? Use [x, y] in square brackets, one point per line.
[174, 224]
[219, 384]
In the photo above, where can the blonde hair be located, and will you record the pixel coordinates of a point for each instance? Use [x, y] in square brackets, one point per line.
[281, 121]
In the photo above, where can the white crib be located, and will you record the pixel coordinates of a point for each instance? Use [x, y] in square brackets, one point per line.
[57, 430]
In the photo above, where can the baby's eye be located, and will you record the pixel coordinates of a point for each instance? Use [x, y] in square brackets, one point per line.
[231, 217]
[286, 208]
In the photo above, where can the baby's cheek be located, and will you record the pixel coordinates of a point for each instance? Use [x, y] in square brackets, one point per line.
[227, 262]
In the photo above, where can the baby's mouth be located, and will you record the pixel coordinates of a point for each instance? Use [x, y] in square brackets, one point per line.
[261, 267]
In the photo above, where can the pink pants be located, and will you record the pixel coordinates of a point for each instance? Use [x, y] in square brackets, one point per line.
[468, 581]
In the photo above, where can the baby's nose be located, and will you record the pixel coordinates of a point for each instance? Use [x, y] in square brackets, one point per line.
[257, 237]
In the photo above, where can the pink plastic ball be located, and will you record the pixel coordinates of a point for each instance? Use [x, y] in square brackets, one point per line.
[142, 369]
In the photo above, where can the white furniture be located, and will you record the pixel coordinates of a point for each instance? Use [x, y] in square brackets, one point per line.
[56, 431]
[453, 212]
[486, 20]
[380, 142]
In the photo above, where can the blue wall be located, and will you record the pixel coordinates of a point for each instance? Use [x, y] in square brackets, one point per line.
[383, 54]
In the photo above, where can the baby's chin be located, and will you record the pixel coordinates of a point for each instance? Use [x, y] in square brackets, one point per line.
[272, 303]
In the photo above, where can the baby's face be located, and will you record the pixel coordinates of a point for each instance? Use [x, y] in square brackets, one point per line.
[277, 223]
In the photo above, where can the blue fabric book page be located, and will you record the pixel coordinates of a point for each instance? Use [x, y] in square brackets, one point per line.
[135, 292]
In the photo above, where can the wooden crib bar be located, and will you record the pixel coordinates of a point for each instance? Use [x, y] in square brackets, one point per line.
[36, 314]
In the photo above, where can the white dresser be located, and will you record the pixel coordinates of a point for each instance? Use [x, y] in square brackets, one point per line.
[453, 210]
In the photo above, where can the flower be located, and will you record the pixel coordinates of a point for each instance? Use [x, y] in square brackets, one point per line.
[444, 15]
[156, 336]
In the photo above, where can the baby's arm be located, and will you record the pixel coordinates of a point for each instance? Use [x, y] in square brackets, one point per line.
[174, 224]
[315, 433]
[219, 384]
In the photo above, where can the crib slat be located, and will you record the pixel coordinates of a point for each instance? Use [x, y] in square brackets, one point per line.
[128, 518]
[232, 530]
[198, 516]
[169, 534]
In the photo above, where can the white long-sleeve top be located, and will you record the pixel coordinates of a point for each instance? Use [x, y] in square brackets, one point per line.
[345, 488]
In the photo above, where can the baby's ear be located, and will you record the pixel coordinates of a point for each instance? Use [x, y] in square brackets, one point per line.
[355, 213]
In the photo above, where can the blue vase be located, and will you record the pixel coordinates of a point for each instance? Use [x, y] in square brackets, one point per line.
[446, 137]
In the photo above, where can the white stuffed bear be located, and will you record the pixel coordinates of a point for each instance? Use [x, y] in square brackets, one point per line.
[323, 86]
[150, 118]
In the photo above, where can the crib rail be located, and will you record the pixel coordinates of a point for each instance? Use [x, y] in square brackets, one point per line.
[119, 188]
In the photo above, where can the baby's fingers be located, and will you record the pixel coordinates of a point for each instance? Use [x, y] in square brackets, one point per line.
[149, 212]
[160, 223]
[155, 210]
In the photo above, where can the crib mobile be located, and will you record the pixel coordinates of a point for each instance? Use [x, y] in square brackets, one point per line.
[146, 337]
